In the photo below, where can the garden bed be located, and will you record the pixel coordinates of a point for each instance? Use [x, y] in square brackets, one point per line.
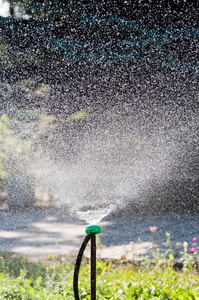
[53, 279]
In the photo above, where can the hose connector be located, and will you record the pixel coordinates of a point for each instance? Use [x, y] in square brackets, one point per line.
[93, 229]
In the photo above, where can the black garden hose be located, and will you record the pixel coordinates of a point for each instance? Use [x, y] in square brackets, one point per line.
[77, 266]
[91, 232]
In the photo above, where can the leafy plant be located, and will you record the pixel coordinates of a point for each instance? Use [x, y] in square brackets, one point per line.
[20, 140]
[20, 279]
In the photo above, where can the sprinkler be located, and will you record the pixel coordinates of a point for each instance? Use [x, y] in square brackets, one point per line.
[91, 232]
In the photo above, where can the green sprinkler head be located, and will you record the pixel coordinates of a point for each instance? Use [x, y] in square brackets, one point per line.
[93, 229]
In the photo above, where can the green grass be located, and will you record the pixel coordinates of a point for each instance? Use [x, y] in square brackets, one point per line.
[53, 279]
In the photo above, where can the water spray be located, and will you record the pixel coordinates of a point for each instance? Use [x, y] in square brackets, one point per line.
[91, 232]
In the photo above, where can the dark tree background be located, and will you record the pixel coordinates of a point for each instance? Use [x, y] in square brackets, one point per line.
[81, 42]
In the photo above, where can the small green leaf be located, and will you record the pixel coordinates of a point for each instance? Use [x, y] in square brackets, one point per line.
[171, 256]
[5, 118]
[78, 115]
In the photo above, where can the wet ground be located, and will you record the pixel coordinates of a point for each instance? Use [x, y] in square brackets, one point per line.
[43, 230]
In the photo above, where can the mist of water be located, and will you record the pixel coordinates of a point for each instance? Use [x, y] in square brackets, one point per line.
[97, 161]
[119, 156]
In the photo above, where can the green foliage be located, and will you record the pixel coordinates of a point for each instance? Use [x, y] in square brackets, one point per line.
[25, 280]
[20, 138]
[12, 147]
